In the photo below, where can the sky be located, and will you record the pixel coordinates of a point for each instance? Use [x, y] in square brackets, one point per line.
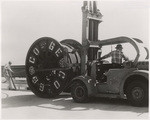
[23, 22]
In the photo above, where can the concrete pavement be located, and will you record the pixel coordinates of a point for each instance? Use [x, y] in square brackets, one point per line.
[23, 104]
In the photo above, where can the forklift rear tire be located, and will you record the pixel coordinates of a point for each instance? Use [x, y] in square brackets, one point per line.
[79, 92]
[137, 94]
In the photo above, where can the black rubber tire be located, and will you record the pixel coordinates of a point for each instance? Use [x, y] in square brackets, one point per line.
[79, 92]
[137, 93]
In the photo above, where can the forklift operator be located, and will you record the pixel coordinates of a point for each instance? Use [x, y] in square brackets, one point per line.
[116, 59]
[116, 56]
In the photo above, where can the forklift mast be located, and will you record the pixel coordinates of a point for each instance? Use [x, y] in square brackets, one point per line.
[91, 17]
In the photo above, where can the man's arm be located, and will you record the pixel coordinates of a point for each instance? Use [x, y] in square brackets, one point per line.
[9, 68]
[106, 56]
[125, 57]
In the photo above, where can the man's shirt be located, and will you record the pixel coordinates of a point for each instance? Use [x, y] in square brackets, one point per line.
[116, 56]
[7, 69]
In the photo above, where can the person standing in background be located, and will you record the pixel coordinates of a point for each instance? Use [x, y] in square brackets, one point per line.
[8, 76]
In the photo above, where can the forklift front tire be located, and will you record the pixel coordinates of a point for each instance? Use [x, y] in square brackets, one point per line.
[79, 92]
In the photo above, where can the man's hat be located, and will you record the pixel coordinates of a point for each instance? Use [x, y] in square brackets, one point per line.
[119, 46]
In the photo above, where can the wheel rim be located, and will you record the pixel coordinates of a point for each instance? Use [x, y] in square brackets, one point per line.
[137, 93]
[79, 92]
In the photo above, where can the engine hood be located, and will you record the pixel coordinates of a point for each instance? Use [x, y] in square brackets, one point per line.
[143, 65]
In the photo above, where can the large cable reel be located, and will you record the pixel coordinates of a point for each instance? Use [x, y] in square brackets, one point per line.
[46, 75]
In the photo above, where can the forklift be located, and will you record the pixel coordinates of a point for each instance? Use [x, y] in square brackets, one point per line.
[99, 78]
[85, 75]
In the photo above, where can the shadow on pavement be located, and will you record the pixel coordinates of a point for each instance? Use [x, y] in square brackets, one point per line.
[65, 102]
